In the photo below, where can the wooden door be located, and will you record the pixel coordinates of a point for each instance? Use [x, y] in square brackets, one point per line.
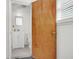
[44, 29]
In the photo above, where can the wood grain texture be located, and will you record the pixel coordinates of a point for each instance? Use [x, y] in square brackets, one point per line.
[43, 26]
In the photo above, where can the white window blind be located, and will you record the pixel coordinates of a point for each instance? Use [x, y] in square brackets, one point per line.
[67, 9]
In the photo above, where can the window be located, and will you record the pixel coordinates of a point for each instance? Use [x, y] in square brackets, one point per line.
[19, 20]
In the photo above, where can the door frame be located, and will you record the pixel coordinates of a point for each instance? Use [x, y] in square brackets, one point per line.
[8, 29]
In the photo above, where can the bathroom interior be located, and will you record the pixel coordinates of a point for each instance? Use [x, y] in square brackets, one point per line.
[21, 24]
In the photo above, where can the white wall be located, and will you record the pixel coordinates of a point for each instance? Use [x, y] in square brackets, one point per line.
[65, 39]
[3, 29]
[64, 29]
[28, 23]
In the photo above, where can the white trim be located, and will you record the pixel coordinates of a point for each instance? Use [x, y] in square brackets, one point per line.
[8, 27]
[23, 3]
[65, 21]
